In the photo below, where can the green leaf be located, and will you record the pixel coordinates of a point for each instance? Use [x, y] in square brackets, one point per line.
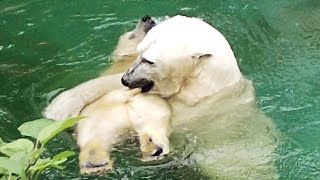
[2, 142]
[2, 171]
[12, 177]
[33, 128]
[11, 166]
[17, 146]
[62, 157]
[22, 157]
[41, 161]
[37, 153]
[40, 165]
[52, 130]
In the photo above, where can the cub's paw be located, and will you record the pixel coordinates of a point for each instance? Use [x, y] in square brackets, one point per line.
[153, 148]
[94, 159]
[148, 23]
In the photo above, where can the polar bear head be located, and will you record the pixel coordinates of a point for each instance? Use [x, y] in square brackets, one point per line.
[183, 56]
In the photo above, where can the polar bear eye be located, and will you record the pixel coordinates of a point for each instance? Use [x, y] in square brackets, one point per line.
[144, 60]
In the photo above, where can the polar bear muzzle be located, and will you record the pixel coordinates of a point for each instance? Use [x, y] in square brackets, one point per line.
[138, 75]
[145, 84]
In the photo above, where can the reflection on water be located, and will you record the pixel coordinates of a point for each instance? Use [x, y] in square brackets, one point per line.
[47, 46]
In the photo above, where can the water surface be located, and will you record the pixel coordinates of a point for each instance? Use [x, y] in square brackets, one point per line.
[49, 46]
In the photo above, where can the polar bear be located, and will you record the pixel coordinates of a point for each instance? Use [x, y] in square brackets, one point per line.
[191, 64]
[111, 116]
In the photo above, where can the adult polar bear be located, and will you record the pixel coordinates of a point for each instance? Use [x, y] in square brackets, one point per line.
[191, 64]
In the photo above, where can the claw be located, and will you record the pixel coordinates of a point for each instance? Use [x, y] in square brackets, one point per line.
[145, 18]
[148, 23]
[93, 165]
[94, 159]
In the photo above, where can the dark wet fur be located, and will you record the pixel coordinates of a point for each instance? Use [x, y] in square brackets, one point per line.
[148, 23]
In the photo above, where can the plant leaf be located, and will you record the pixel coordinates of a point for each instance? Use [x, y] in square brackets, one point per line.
[43, 161]
[37, 153]
[50, 131]
[17, 146]
[2, 171]
[40, 165]
[12, 177]
[22, 157]
[61, 158]
[11, 166]
[62, 155]
[58, 167]
[2, 142]
[33, 128]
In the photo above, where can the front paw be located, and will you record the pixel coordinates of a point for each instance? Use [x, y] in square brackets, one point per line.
[152, 150]
[155, 155]
[65, 105]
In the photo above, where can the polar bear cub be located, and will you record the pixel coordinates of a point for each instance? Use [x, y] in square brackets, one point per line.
[111, 116]
[70, 103]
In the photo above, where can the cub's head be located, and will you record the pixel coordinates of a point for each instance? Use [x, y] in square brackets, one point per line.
[128, 42]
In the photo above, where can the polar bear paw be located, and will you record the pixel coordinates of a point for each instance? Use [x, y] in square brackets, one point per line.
[94, 160]
[148, 23]
[152, 149]
[65, 105]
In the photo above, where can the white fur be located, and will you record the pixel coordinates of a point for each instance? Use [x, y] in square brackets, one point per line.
[71, 102]
[209, 97]
[121, 110]
[178, 40]
[195, 69]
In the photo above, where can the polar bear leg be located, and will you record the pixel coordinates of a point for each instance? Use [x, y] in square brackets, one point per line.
[94, 158]
[71, 102]
[150, 117]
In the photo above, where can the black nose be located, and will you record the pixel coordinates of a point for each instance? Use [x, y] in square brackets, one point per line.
[158, 152]
[125, 81]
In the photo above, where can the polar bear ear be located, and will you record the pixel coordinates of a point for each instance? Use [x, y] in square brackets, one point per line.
[201, 55]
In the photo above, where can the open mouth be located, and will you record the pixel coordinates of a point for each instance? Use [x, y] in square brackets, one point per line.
[147, 87]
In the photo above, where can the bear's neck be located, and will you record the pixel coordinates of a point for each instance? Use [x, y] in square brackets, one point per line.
[209, 78]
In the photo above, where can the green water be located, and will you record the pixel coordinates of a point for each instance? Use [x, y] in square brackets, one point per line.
[49, 46]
